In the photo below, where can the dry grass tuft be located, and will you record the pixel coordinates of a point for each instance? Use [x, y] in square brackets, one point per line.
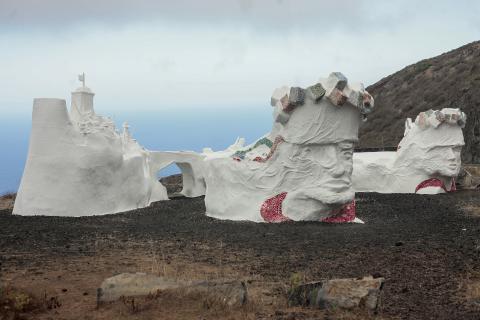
[14, 303]
[469, 289]
[7, 200]
[472, 210]
[472, 291]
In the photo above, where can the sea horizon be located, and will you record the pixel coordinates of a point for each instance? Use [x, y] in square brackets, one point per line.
[160, 130]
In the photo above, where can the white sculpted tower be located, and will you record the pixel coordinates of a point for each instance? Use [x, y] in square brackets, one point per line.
[78, 164]
[82, 101]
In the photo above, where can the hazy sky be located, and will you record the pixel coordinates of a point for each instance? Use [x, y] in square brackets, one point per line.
[154, 55]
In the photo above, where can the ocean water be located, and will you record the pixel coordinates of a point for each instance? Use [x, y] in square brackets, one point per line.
[167, 130]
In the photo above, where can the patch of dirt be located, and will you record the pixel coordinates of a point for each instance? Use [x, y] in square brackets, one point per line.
[422, 245]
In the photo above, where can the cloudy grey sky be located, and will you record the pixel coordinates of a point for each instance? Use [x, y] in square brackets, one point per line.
[150, 55]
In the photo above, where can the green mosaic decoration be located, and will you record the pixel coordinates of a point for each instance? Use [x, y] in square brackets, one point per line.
[241, 153]
[264, 141]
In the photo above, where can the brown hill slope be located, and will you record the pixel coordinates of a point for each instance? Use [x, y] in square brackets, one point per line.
[448, 80]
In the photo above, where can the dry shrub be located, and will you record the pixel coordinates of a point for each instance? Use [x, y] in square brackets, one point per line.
[472, 291]
[14, 303]
[7, 200]
[8, 195]
[469, 289]
[472, 210]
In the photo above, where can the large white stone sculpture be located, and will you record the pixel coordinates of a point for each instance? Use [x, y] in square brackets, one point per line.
[301, 170]
[78, 164]
[427, 160]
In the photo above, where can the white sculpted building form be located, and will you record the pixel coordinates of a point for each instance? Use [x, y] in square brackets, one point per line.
[79, 165]
[427, 160]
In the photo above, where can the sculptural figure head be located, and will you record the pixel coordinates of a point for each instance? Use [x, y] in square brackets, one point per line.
[432, 144]
[322, 123]
[427, 159]
[436, 139]
[305, 173]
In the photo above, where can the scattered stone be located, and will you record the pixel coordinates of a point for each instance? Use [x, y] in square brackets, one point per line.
[280, 94]
[343, 293]
[281, 117]
[356, 98]
[337, 97]
[231, 294]
[296, 97]
[316, 92]
[131, 285]
[337, 80]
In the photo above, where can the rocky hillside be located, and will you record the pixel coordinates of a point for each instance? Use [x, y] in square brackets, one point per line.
[449, 80]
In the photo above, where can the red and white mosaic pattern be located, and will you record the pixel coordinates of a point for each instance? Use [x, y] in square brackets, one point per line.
[271, 210]
[278, 140]
[432, 182]
[346, 214]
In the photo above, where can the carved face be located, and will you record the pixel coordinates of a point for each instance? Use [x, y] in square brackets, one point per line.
[335, 163]
[443, 160]
[432, 145]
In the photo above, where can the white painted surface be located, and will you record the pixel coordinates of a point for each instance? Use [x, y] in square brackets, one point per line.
[78, 164]
[313, 164]
[429, 149]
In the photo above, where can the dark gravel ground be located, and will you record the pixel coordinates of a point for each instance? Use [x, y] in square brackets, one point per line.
[424, 246]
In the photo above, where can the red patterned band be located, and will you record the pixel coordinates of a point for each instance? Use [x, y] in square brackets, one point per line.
[271, 211]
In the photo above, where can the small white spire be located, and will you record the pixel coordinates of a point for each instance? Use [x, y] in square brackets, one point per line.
[81, 77]
[126, 131]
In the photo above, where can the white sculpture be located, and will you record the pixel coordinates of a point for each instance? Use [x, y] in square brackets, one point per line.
[78, 164]
[427, 160]
[301, 170]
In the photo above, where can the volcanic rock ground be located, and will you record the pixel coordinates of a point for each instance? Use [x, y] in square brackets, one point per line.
[450, 80]
[426, 247]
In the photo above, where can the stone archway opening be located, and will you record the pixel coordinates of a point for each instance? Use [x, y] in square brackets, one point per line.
[171, 178]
